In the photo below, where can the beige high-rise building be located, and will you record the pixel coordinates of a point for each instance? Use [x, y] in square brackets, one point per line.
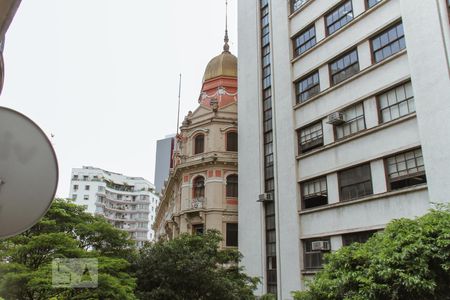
[201, 192]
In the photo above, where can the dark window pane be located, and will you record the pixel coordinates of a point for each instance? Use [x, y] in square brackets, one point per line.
[406, 169]
[355, 183]
[339, 17]
[232, 141]
[314, 192]
[232, 235]
[305, 40]
[357, 237]
[199, 144]
[388, 42]
[232, 186]
[307, 87]
[310, 137]
[344, 67]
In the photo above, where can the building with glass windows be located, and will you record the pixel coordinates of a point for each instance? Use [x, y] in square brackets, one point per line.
[343, 128]
[128, 203]
[201, 192]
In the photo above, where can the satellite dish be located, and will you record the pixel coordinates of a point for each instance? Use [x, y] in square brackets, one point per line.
[28, 173]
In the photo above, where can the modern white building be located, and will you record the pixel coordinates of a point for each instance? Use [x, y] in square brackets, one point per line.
[163, 162]
[128, 203]
[343, 126]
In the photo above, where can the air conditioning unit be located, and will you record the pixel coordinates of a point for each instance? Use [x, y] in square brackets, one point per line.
[265, 197]
[336, 118]
[320, 246]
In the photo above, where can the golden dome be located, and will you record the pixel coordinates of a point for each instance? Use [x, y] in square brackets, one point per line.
[224, 64]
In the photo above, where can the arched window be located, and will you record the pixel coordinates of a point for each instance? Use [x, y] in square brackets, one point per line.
[199, 144]
[232, 186]
[232, 141]
[199, 187]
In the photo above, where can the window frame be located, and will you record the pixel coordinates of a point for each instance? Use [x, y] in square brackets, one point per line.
[321, 253]
[407, 99]
[339, 57]
[302, 194]
[198, 192]
[405, 177]
[335, 127]
[196, 150]
[384, 31]
[232, 189]
[296, 48]
[232, 235]
[333, 10]
[228, 145]
[299, 144]
[368, 6]
[361, 235]
[298, 82]
[293, 2]
[341, 199]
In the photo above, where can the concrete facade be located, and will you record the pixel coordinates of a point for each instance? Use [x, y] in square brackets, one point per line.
[392, 116]
[128, 203]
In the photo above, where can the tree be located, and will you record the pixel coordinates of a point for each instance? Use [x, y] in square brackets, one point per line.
[192, 267]
[66, 231]
[410, 259]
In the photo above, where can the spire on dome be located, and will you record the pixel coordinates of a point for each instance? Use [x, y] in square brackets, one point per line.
[226, 47]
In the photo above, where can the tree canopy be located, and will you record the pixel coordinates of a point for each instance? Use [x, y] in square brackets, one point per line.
[410, 259]
[66, 231]
[192, 267]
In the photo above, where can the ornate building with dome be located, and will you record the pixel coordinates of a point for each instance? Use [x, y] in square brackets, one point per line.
[201, 192]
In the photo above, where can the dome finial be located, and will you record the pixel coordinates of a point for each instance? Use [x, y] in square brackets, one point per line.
[226, 47]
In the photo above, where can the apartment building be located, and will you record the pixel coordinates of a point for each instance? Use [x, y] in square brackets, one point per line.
[344, 126]
[128, 203]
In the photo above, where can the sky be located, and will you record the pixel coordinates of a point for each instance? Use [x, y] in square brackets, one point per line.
[102, 75]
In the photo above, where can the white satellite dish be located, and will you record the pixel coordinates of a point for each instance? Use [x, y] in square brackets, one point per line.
[28, 173]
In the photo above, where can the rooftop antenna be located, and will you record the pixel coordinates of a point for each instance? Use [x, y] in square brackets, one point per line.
[226, 47]
[179, 100]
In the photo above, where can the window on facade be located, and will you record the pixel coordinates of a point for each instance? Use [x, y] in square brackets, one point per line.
[75, 177]
[74, 196]
[86, 197]
[307, 87]
[75, 187]
[339, 16]
[232, 235]
[396, 102]
[355, 183]
[357, 237]
[232, 186]
[314, 192]
[119, 197]
[371, 3]
[305, 40]
[310, 137]
[388, 42]
[199, 146]
[197, 229]
[199, 187]
[354, 121]
[344, 67]
[86, 187]
[406, 169]
[232, 141]
[314, 250]
[296, 4]
[85, 177]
